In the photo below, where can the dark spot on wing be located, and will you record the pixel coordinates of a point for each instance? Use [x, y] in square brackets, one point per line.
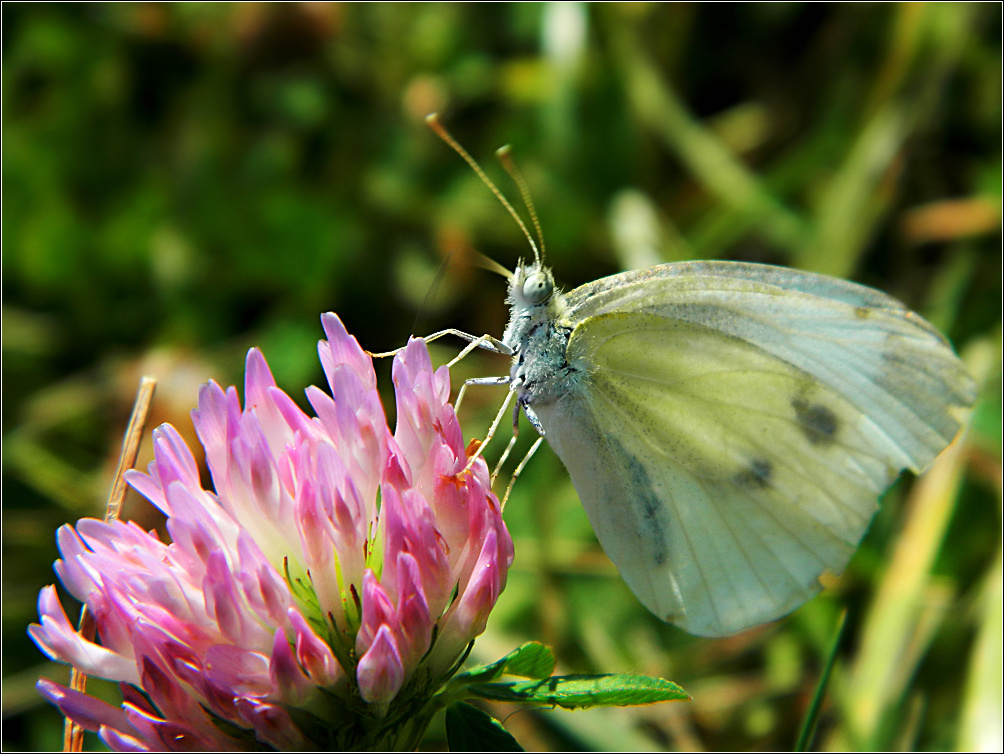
[758, 475]
[862, 312]
[650, 504]
[818, 423]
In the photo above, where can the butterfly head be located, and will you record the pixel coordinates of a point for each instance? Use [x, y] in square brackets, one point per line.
[534, 301]
[530, 286]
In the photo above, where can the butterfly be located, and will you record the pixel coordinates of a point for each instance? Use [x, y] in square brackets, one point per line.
[729, 427]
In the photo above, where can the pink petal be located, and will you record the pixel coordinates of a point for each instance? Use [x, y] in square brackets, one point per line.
[411, 527]
[175, 735]
[482, 590]
[380, 673]
[287, 676]
[414, 621]
[263, 586]
[272, 725]
[118, 741]
[60, 641]
[216, 421]
[313, 654]
[341, 348]
[239, 670]
[378, 610]
[88, 712]
[257, 380]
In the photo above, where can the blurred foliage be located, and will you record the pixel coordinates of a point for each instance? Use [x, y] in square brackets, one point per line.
[183, 181]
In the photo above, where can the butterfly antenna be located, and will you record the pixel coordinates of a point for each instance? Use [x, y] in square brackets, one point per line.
[491, 265]
[505, 157]
[432, 120]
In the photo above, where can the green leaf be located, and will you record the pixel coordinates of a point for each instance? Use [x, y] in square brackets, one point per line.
[532, 660]
[470, 729]
[573, 691]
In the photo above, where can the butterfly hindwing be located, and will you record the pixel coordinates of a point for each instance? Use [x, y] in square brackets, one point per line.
[682, 480]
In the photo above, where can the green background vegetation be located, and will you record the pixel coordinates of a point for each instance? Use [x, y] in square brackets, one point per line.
[181, 182]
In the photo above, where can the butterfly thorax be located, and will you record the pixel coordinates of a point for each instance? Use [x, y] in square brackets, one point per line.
[538, 333]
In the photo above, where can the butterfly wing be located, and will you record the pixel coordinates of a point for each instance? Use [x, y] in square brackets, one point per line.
[859, 341]
[729, 438]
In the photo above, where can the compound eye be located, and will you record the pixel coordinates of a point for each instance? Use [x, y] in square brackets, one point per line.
[537, 287]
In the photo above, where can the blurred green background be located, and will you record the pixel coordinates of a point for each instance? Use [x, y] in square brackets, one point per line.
[181, 182]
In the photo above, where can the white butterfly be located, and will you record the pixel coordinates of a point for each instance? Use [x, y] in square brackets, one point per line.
[728, 427]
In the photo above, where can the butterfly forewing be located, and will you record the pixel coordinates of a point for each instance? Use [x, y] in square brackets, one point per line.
[895, 366]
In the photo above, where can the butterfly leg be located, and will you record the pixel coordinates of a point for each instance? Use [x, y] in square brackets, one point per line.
[532, 416]
[512, 441]
[491, 429]
[477, 381]
[487, 342]
[519, 469]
